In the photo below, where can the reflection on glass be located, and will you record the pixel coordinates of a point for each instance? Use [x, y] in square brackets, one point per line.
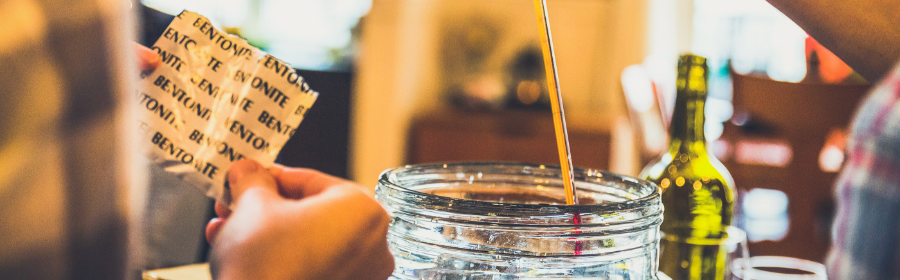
[764, 152]
[765, 214]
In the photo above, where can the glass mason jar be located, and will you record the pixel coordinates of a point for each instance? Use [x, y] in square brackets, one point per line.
[483, 220]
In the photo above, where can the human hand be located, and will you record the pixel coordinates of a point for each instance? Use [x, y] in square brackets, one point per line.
[147, 58]
[293, 223]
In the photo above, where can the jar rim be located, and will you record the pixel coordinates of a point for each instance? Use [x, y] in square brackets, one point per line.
[627, 223]
[649, 192]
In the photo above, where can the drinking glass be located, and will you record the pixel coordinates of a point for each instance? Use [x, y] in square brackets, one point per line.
[778, 268]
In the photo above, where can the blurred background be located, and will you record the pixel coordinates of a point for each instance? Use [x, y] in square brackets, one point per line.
[414, 81]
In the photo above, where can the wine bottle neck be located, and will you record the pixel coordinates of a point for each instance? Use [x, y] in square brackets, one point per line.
[687, 126]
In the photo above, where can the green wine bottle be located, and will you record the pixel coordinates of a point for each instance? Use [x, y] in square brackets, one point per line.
[697, 191]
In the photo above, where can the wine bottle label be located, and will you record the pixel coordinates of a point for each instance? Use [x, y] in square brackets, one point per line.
[213, 100]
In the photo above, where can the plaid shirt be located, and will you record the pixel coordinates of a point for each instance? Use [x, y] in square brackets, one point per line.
[866, 233]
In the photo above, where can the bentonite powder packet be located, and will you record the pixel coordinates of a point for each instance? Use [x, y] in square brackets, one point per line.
[215, 99]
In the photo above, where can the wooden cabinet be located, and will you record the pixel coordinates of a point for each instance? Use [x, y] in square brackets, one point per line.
[523, 136]
[798, 117]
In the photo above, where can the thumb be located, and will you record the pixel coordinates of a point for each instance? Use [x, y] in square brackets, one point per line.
[249, 176]
[147, 58]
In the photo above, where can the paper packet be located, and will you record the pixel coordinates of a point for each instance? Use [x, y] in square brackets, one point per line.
[213, 100]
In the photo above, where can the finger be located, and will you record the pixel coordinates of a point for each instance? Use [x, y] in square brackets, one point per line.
[383, 260]
[297, 183]
[345, 198]
[147, 58]
[222, 211]
[248, 175]
[213, 228]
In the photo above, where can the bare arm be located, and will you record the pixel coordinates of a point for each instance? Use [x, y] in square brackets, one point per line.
[863, 33]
